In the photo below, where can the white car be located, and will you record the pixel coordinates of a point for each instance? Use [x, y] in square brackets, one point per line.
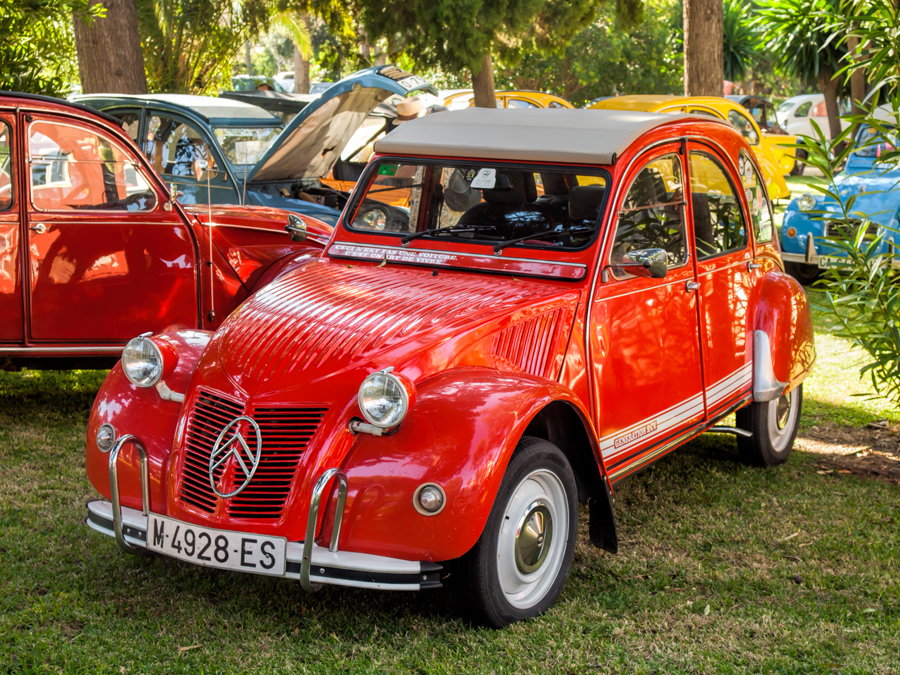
[796, 114]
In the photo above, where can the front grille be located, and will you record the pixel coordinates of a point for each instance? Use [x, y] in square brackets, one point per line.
[847, 229]
[285, 433]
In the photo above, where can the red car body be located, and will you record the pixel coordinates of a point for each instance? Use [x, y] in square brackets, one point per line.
[84, 268]
[499, 351]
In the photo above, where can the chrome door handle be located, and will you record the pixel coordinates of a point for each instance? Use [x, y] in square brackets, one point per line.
[691, 286]
[38, 228]
[753, 266]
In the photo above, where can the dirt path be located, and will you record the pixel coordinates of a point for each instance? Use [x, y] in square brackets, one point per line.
[872, 451]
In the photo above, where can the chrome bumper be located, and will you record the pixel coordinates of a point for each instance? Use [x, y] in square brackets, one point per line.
[307, 562]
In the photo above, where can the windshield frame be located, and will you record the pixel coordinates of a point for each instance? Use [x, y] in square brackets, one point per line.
[371, 173]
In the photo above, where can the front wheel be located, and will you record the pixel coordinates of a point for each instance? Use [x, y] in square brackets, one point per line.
[520, 563]
[774, 427]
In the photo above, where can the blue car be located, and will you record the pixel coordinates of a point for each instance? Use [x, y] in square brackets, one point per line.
[225, 151]
[877, 190]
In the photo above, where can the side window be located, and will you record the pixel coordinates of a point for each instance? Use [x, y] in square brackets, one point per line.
[131, 121]
[6, 167]
[652, 215]
[803, 109]
[718, 222]
[395, 184]
[75, 168]
[743, 124]
[520, 103]
[760, 208]
[176, 148]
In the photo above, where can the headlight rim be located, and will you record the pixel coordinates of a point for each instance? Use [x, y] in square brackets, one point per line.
[806, 202]
[407, 395]
[159, 355]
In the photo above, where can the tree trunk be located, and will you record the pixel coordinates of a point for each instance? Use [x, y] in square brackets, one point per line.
[247, 60]
[483, 84]
[301, 73]
[858, 85]
[110, 59]
[704, 53]
[829, 85]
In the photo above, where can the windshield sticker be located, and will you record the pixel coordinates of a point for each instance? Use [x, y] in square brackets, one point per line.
[485, 180]
[387, 169]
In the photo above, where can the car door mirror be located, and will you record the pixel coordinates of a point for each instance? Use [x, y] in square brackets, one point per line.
[296, 228]
[646, 262]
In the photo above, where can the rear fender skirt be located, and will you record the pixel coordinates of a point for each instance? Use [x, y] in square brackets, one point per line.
[784, 354]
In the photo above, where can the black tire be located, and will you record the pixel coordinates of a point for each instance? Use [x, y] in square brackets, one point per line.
[774, 427]
[805, 274]
[516, 571]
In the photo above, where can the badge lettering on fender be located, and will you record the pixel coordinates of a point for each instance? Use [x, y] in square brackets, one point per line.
[648, 428]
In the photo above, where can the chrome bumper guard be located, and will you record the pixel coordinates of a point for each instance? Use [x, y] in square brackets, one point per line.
[307, 562]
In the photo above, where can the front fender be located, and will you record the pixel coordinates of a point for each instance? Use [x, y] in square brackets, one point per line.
[461, 434]
[145, 414]
[783, 332]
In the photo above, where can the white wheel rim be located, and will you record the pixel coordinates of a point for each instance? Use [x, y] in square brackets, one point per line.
[781, 420]
[533, 538]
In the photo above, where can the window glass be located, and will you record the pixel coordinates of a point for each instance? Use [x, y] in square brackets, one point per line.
[6, 167]
[555, 104]
[743, 124]
[820, 110]
[873, 143]
[652, 215]
[74, 168]
[718, 221]
[176, 148]
[484, 203]
[131, 122]
[760, 208]
[803, 109]
[702, 111]
[245, 145]
[520, 103]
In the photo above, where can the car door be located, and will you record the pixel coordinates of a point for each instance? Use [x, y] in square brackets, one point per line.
[107, 258]
[723, 261]
[188, 160]
[12, 324]
[644, 332]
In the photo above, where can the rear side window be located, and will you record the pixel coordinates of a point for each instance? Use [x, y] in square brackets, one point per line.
[757, 200]
[74, 168]
[176, 148]
[803, 109]
[652, 215]
[718, 222]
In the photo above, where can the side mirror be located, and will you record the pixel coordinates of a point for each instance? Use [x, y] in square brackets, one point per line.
[646, 262]
[296, 228]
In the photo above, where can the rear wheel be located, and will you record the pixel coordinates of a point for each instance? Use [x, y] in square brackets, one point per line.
[774, 427]
[805, 274]
[520, 563]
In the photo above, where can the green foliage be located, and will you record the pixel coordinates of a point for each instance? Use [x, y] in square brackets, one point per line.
[799, 33]
[189, 44]
[606, 58]
[456, 34]
[876, 25]
[740, 38]
[37, 48]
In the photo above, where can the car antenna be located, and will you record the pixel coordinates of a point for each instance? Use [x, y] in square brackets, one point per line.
[211, 316]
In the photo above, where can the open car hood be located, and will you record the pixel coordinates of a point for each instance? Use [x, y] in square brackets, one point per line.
[313, 141]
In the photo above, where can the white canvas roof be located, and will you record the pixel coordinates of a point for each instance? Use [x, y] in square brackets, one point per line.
[531, 135]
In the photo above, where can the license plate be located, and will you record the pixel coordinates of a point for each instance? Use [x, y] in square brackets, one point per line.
[411, 82]
[239, 551]
[827, 262]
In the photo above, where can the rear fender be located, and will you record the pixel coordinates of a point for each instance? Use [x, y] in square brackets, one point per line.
[146, 414]
[460, 435]
[783, 344]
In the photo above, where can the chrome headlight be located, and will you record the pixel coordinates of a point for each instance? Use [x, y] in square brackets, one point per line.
[142, 362]
[806, 202]
[385, 398]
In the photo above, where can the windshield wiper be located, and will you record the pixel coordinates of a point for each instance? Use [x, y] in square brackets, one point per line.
[549, 234]
[406, 238]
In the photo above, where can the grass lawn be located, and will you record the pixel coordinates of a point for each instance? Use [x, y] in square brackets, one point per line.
[722, 569]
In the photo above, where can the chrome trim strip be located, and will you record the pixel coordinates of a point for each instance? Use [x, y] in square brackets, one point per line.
[766, 387]
[793, 257]
[655, 454]
[644, 290]
[469, 255]
[114, 486]
[313, 520]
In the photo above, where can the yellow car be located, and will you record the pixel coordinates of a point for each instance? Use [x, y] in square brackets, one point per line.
[509, 99]
[773, 152]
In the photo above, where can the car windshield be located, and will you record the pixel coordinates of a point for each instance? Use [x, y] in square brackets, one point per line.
[245, 145]
[873, 143]
[786, 105]
[485, 203]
